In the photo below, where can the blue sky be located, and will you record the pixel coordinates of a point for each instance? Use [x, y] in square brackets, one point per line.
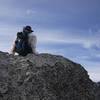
[70, 28]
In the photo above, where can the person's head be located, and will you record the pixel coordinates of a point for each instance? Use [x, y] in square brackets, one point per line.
[27, 29]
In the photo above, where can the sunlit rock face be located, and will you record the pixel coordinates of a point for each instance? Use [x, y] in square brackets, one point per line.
[43, 77]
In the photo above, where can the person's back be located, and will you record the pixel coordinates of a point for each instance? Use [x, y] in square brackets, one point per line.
[24, 36]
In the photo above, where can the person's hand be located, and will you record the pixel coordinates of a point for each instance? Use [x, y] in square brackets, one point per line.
[11, 53]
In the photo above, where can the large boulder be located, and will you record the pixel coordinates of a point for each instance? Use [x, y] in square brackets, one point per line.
[43, 77]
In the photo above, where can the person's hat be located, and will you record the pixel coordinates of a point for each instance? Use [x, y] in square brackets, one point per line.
[28, 28]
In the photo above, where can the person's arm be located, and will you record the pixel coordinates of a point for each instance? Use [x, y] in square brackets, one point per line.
[33, 44]
[13, 46]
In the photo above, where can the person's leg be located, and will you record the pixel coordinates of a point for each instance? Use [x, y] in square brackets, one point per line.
[12, 50]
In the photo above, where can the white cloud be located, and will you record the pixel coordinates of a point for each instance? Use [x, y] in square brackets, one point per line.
[29, 12]
[52, 51]
[58, 36]
[95, 76]
[82, 57]
[9, 10]
[98, 55]
[5, 47]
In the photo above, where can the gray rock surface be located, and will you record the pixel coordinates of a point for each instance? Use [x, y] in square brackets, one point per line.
[98, 91]
[43, 77]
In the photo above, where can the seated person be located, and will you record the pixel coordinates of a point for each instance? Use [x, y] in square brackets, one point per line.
[24, 43]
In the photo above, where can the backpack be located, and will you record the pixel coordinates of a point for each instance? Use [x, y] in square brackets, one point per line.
[21, 44]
